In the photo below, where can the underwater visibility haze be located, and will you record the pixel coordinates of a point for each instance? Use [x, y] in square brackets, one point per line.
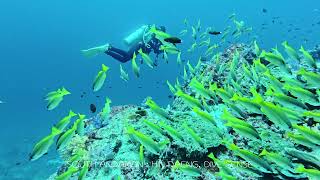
[160, 89]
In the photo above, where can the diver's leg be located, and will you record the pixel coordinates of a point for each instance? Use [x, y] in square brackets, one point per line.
[115, 55]
[95, 50]
[118, 54]
[119, 51]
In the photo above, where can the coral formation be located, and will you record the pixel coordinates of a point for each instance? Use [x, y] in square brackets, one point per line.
[241, 115]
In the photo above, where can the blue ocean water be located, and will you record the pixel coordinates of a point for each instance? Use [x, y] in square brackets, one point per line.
[40, 43]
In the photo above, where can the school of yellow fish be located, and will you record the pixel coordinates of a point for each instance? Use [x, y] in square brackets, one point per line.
[289, 100]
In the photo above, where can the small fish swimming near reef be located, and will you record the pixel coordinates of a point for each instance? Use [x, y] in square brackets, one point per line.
[159, 34]
[232, 16]
[65, 138]
[169, 49]
[193, 47]
[146, 58]
[100, 78]
[198, 25]
[83, 94]
[194, 33]
[63, 123]
[179, 58]
[67, 175]
[135, 67]
[42, 147]
[173, 40]
[215, 32]
[54, 98]
[93, 108]
[106, 109]
[123, 74]
[186, 22]
[264, 10]
[183, 32]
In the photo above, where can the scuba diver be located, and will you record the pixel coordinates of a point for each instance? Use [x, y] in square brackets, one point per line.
[140, 39]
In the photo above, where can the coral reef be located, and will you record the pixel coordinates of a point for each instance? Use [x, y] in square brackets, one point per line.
[257, 117]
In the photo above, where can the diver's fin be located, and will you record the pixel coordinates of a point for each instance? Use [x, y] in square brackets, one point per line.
[95, 50]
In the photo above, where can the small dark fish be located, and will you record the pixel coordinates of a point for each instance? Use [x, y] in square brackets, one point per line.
[83, 94]
[264, 10]
[170, 96]
[18, 163]
[97, 96]
[173, 40]
[215, 32]
[93, 108]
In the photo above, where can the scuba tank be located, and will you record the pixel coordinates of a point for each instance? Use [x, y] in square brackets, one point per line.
[140, 34]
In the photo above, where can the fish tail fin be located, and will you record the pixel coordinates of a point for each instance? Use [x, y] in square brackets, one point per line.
[233, 147]
[301, 49]
[104, 68]
[235, 97]
[179, 92]
[263, 153]
[130, 130]
[81, 116]
[300, 168]
[71, 113]
[211, 155]
[153, 29]
[269, 92]
[55, 131]
[263, 53]
[134, 55]
[64, 91]
[285, 43]
[73, 169]
[301, 71]
[213, 87]
[108, 100]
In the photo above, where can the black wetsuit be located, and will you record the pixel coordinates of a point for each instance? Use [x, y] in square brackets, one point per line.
[125, 56]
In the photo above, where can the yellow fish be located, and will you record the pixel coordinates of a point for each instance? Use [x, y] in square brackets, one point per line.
[67, 175]
[146, 58]
[100, 78]
[135, 67]
[65, 138]
[55, 98]
[62, 124]
[123, 74]
[43, 145]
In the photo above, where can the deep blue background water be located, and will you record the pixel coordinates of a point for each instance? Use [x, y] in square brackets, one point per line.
[40, 43]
